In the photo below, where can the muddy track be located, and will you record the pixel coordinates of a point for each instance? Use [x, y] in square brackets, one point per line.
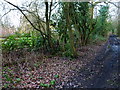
[103, 71]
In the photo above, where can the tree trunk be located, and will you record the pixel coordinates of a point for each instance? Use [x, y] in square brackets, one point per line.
[71, 36]
[47, 24]
[118, 28]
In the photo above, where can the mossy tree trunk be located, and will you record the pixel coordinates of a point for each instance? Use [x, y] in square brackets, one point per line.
[118, 28]
[47, 16]
[68, 21]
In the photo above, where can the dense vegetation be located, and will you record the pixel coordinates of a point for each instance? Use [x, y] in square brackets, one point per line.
[72, 28]
[59, 33]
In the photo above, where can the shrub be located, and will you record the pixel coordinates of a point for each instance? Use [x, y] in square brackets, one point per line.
[9, 43]
[20, 41]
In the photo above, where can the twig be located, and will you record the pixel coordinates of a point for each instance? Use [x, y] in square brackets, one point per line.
[26, 18]
[7, 13]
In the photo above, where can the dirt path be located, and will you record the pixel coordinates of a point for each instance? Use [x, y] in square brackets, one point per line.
[96, 67]
[103, 72]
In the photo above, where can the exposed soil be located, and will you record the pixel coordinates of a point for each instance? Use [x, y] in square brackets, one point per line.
[96, 67]
[103, 71]
[34, 68]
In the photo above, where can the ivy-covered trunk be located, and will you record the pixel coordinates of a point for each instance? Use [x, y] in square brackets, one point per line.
[47, 24]
[68, 21]
[118, 29]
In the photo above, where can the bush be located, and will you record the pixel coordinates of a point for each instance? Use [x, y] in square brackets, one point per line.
[18, 41]
[97, 38]
[9, 43]
[67, 52]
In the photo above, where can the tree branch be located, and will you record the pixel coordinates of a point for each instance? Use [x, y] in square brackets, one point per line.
[26, 18]
[113, 4]
[54, 6]
[7, 13]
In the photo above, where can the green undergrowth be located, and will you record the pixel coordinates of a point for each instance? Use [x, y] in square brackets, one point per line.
[11, 80]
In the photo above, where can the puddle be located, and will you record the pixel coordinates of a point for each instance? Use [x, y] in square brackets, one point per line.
[115, 48]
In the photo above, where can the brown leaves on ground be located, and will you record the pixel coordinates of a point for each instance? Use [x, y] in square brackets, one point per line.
[34, 68]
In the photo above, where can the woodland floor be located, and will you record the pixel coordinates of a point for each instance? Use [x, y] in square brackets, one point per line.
[96, 67]
[103, 71]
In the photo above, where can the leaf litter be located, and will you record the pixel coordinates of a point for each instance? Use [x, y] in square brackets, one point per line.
[36, 69]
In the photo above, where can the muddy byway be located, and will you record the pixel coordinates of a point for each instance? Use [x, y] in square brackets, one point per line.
[96, 67]
[103, 71]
